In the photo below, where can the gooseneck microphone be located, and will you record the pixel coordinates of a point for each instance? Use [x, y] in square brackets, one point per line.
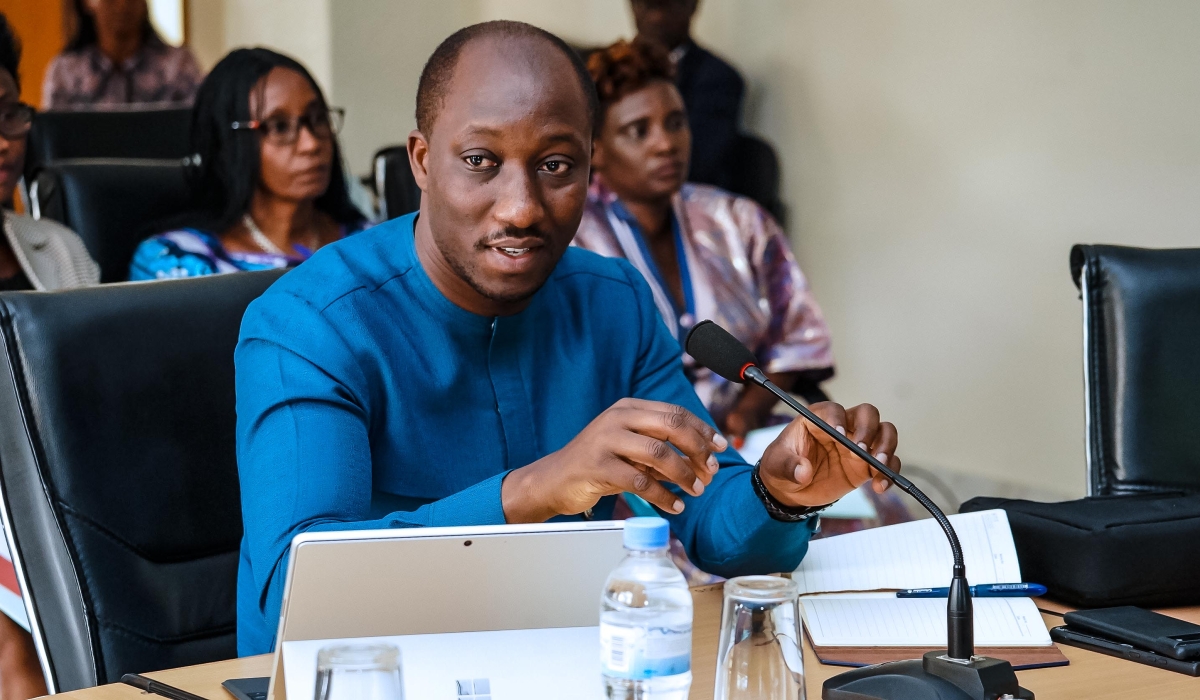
[713, 347]
[956, 673]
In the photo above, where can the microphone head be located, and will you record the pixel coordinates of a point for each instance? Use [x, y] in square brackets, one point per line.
[713, 347]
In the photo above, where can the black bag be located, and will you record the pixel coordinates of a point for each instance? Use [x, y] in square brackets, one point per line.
[1139, 549]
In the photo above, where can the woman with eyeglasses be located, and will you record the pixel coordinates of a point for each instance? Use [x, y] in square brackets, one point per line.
[37, 254]
[267, 183]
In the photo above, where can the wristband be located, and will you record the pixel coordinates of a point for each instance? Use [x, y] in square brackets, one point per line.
[777, 510]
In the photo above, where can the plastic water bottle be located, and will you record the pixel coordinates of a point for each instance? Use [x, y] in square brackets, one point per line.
[646, 620]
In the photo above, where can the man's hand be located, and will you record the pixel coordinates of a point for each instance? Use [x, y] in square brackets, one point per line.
[626, 448]
[806, 467]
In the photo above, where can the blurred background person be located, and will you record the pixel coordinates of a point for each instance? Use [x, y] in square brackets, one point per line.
[712, 90]
[33, 255]
[706, 253]
[267, 181]
[115, 59]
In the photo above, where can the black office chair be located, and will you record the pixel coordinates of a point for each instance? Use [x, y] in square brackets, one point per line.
[753, 171]
[151, 134]
[110, 203]
[395, 186]
[118, 471]
[1141, 330]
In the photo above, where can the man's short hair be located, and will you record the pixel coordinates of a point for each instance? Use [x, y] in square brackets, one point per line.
[439, 69]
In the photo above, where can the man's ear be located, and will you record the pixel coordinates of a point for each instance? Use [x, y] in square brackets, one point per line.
[418, 157]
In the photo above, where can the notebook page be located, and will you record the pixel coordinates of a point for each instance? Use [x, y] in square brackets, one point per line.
[911, 555]
[919, 622]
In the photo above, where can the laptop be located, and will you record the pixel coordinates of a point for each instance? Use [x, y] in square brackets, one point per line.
[510, 609]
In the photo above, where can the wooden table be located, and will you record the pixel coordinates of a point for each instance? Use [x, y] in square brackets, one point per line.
[1090, 675]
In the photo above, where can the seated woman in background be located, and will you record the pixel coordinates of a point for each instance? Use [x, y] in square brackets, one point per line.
[706, 253]
[116, 59]
[266, 177]
[33, 255]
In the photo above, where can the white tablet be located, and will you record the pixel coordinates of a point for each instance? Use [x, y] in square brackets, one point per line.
[446, 581]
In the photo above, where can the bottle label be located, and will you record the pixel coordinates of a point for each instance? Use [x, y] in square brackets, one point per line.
[634, 652]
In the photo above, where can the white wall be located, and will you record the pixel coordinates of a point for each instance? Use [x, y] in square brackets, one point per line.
[380, 47]
[299, 28]
[579, 22]
[940, 158]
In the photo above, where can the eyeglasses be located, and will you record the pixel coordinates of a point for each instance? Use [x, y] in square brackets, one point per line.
[284, 131]
[16, 118]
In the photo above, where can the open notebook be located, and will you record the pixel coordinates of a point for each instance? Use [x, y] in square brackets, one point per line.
[911, 555]
[853, 618]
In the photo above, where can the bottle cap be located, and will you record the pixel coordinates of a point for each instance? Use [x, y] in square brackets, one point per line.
[647, 533]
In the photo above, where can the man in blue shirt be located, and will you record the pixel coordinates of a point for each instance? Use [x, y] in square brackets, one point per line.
[461, 366]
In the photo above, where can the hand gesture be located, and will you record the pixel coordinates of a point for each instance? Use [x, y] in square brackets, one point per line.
[630, 447]
[806, 467]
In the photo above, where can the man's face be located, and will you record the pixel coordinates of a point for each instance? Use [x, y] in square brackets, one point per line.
[664, 22]
[505, 172]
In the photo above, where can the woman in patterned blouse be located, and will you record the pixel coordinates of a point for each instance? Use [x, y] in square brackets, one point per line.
[705, 252]
[266, 177]
[117, 60]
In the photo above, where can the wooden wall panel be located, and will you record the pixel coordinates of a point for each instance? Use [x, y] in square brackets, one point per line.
[41, 27]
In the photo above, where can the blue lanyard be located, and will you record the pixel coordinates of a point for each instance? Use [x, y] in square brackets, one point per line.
[685, 275]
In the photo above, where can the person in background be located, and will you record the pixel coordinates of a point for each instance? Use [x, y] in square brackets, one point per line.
[711, 89]
[706, 253]
[33, 255]
[117, 60]
[266, 177]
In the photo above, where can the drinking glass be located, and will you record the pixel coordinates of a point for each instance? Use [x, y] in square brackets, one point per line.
[758, 654]
[359, 672]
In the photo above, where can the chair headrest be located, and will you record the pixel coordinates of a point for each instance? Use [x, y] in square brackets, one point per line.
[1142, 325]
[142, 133]
[111, 204]
[1156, 265]
[394, 182]
[753, 171]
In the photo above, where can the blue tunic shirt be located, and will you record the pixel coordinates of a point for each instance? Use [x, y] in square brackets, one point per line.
[366, 399]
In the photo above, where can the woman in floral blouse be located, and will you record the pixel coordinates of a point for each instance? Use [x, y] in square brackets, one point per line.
[116, 60]
[706, 253]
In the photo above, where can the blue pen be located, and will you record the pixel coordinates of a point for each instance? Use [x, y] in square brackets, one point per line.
[985, 590]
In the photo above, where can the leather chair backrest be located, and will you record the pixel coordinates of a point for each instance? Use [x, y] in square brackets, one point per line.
[118, 471]
[754, 173]
[1141, 311]
[395, 185]
[154, 133]
[110, 203]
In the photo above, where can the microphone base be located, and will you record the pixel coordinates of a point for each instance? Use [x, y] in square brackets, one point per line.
[931, 677]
